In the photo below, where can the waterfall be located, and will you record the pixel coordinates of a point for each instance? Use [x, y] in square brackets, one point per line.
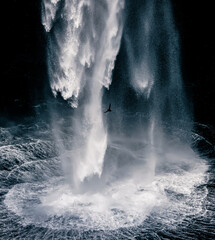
[84, 38]
[83, 41]
[129, 173]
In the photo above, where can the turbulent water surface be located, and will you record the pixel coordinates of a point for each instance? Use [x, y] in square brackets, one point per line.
[143, 170]
[38, 203]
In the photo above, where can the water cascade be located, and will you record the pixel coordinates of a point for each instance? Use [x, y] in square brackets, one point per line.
[84, 39]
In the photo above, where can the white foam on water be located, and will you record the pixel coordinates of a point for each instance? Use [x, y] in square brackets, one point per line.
[53, 204]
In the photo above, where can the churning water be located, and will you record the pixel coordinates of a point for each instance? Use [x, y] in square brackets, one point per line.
[126, 202]
[137, 172]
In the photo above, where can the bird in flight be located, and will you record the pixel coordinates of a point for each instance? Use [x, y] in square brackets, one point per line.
[108, 110]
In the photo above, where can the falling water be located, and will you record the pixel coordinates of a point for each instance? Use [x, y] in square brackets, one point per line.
[83, 42]
[84, 39]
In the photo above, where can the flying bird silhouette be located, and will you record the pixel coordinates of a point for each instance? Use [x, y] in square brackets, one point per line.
[108, 110]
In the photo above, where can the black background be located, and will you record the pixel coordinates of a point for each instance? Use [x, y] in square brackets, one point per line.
[195, 21]
[24, 80]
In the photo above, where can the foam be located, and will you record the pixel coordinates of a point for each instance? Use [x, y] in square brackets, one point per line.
[53, 204]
